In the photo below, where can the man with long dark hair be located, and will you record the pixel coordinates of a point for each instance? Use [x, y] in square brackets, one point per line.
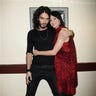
[40, 67]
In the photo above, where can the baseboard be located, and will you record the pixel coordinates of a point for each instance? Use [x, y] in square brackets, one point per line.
[21, 68]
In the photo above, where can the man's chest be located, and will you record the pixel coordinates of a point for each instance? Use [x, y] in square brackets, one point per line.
[43, 43]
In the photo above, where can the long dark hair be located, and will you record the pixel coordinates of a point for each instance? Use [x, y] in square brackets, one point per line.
[37, 13]
[58, 15]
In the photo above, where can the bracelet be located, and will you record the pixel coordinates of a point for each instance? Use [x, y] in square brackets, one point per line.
[28, 70]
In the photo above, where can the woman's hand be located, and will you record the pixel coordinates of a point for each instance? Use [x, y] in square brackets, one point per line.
[35, 52]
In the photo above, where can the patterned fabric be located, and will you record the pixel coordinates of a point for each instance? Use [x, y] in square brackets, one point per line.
[65, 66]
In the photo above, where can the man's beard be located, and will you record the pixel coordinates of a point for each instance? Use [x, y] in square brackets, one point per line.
[43, 26]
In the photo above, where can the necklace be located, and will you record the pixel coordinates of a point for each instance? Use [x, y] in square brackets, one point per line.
[42, 35]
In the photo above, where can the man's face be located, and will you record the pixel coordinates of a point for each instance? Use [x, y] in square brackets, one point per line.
[43, 20]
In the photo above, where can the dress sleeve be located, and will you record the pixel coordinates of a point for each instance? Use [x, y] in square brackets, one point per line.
[29, 42]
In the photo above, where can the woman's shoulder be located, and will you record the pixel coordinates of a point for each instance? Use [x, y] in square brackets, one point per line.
[64, 29]
[67, 31]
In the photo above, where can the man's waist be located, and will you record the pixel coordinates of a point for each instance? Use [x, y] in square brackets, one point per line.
[41, 63]
[46, 67]
[45, 59]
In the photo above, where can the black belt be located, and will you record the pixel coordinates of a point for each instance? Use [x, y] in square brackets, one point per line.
[46, 67]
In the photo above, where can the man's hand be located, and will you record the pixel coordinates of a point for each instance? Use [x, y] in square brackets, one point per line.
[28, 77]
[71, 33]
[68, 32]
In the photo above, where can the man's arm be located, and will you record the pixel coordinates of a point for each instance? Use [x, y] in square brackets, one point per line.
[29, 60]
[28, 63]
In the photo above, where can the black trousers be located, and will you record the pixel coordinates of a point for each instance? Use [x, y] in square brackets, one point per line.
[46, 72]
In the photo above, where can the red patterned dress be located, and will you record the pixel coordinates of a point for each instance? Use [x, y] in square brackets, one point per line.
[65, 66]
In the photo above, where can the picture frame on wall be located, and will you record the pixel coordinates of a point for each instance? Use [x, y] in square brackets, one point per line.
[62, 10]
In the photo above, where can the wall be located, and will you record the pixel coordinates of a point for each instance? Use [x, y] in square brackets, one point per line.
[0, 31]
[14, 25]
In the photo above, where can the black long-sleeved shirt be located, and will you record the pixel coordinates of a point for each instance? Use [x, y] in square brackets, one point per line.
[41, 40]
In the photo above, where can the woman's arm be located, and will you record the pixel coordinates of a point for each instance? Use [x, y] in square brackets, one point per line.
[62, 37]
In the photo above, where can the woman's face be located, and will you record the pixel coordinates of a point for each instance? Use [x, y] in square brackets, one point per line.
[54, 21]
